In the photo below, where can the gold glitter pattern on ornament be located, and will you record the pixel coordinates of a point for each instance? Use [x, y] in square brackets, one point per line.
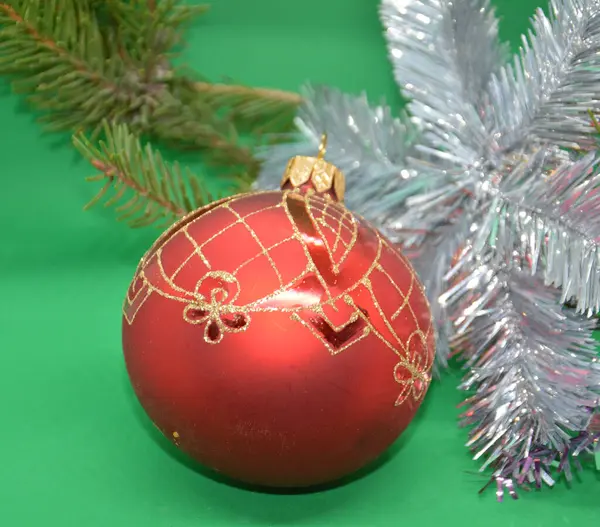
[336, 321]
[339, 239]
[215, 308]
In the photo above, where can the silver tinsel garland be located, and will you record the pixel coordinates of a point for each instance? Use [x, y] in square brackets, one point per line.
[491, 185]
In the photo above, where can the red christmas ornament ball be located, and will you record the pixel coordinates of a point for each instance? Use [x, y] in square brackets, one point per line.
[278, 339]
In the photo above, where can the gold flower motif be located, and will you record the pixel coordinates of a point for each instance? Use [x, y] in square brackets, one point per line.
[412, 373]
[213, 306]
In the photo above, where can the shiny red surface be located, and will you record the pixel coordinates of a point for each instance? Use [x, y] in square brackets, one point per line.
[270, 404]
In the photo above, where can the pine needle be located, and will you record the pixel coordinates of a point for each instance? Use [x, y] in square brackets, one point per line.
[260, 110]
[142, 187]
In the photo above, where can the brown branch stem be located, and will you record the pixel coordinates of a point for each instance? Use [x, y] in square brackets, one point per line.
[111, 172]
[267, 93]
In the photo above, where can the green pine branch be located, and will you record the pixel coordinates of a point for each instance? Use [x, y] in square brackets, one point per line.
[83, 61]
[137, 181]
[149, 29]
[260, 110]
[55, 53]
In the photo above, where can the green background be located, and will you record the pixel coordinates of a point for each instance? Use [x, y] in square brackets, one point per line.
[74, 447]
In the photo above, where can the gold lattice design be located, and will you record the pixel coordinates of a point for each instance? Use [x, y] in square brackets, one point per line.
[215, 300]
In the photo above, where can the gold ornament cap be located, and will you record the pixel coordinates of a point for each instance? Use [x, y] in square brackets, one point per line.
[316, 174]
